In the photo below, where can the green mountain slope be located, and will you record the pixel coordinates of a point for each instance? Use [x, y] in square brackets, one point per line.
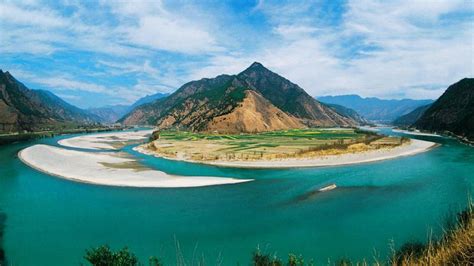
[25, 109]
[452, 112]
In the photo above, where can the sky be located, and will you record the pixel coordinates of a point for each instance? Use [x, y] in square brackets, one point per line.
[97, 53]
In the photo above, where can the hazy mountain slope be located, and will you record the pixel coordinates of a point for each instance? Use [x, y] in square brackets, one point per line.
[410, 118]
[349, 113]
[147, 99]
[374, 109]
[453, 111]
[25, 109]
[198, 104]
[110, 114]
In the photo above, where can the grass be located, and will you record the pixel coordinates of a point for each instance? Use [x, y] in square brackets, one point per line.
[455, 247]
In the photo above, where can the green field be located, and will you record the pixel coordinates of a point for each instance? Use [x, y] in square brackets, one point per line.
[266, 145]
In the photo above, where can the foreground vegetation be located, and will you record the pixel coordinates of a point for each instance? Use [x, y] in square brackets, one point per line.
[296, 143]
[455, 247]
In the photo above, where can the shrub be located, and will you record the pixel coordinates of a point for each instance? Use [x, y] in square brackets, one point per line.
[260, 259]
[104, 256]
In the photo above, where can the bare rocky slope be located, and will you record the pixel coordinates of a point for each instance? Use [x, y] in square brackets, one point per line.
[255, 100]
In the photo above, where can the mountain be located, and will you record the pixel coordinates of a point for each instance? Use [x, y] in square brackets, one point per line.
[148, 99]
[410, 118]
[25, 109]
[112, 113]
[375, 109]
[254, 100]
[349, 113]
[452, 112]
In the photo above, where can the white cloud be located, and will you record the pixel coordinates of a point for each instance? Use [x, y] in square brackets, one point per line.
[376, 49]
[124, 68]
[65, 83]
[171, 34]
[23, 16]
[404, 44]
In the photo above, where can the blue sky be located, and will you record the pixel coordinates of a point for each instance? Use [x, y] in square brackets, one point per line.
[95, 53]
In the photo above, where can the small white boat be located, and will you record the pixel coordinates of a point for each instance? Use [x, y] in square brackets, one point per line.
[327, 188]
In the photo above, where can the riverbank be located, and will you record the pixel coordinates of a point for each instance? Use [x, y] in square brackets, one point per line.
[413, 147]
[416, 133]
[111, 169]
[107, 141]
[17, 136]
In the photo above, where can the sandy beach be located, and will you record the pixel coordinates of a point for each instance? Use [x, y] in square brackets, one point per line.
[105, 141]
[414, 147]
[108, 169]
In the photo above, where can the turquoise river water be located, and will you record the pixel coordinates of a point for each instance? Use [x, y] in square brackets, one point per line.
[51, 221]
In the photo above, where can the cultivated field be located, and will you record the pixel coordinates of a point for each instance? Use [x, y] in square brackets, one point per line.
[298, 143]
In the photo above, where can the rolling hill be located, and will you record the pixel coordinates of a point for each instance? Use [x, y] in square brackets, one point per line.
[25, 109]
[254, 100]
[375, 109]
[452, 112]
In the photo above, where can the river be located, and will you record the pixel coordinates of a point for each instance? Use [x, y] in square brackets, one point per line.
[52, 221]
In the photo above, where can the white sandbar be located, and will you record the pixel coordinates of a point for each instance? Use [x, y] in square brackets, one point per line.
[104, 140]
[416, 133]
[88, 167]
[415, 146]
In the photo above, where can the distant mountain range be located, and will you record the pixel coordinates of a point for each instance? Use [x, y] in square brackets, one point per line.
[410, 118]
[112, 113]
[375, 109]
[255, 100]
[452, 112]
[25, 109]
[22, 108]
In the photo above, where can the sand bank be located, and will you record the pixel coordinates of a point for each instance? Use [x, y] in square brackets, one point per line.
[415, 146]
[415, 133]
[108, 169]
[105, 141]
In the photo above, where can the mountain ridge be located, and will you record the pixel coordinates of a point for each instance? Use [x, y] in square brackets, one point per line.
[112, 113]
[452, 112]
[198, 102]
[375, 109]
[22, 108]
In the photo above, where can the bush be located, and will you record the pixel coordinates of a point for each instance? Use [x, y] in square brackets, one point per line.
[104, 256]
[260, 259]
[294, 260]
